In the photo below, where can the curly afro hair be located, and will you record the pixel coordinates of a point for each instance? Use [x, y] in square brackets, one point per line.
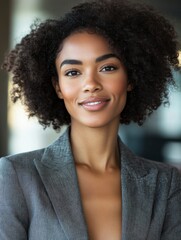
[145, 41]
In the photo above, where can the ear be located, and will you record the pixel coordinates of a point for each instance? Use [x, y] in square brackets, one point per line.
[56, 86]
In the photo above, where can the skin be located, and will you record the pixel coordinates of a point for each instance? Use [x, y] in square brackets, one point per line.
[87, 71]
[92, 82]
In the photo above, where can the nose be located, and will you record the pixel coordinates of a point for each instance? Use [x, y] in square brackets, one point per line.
[91, 84]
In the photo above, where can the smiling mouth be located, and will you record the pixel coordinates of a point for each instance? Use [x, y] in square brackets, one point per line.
[94, 104]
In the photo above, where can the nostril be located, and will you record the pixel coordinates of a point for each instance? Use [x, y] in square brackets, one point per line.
[92, 87]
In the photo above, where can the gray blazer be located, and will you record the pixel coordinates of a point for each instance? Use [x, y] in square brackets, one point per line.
[40, 197]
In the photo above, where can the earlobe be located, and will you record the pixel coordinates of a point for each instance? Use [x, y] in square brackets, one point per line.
[58, 91]
[57, 88]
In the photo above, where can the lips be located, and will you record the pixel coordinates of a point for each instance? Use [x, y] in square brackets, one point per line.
[94, 103]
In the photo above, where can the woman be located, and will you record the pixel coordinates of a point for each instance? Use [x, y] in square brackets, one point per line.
[102, 64]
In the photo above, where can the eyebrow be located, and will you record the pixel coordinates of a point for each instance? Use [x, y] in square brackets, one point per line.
[106, 56]
[99, 59]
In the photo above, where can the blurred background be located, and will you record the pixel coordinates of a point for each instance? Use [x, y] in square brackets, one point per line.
[158, 139]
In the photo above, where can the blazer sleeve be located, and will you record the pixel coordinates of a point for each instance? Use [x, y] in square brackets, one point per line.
[172, 223]
[13, 209]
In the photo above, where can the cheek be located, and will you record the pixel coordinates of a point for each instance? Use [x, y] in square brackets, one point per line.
[118, 84]
[118, 88]
[69, 92]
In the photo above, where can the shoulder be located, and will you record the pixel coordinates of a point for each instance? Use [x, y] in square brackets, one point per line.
[54, 152]
[166, 174]
[163, 174]
[25, 158]
[164, 169]
[19, 167]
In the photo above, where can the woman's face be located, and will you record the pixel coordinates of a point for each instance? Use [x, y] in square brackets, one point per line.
[92, 81]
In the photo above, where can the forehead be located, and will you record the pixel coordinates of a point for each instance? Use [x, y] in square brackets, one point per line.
[84, 43]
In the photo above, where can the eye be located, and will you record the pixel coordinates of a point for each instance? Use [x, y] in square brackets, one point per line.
[72, 73]
[108, 68]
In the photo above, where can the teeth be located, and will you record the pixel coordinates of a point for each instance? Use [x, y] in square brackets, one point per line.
[93, 103]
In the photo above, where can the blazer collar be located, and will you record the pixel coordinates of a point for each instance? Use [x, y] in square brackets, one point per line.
[59, 154]
[138, 194]
[58, 173]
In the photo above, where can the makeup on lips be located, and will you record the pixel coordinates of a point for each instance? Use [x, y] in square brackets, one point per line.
[94, 103]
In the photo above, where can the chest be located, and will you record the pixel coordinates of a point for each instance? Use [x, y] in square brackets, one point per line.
[101, 201]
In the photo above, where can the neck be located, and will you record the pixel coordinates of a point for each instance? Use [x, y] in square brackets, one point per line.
[95, 149]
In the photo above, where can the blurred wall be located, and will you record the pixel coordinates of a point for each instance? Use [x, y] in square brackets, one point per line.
[5, 16]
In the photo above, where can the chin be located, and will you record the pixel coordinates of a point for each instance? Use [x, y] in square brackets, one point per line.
[99, 123]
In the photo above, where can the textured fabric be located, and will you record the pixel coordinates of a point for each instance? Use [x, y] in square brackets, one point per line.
[40, 197]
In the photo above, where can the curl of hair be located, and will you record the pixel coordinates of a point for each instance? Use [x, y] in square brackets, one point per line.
[145, 41]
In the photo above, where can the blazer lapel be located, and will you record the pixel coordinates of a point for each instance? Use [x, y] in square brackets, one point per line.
[58, 173]
[138, 187]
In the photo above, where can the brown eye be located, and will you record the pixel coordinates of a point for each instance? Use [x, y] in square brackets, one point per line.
[108, 68]
[72, 73]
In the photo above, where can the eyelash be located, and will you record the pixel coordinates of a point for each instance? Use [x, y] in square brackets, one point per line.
[109, 68]
[69, 73]
[74, 72]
